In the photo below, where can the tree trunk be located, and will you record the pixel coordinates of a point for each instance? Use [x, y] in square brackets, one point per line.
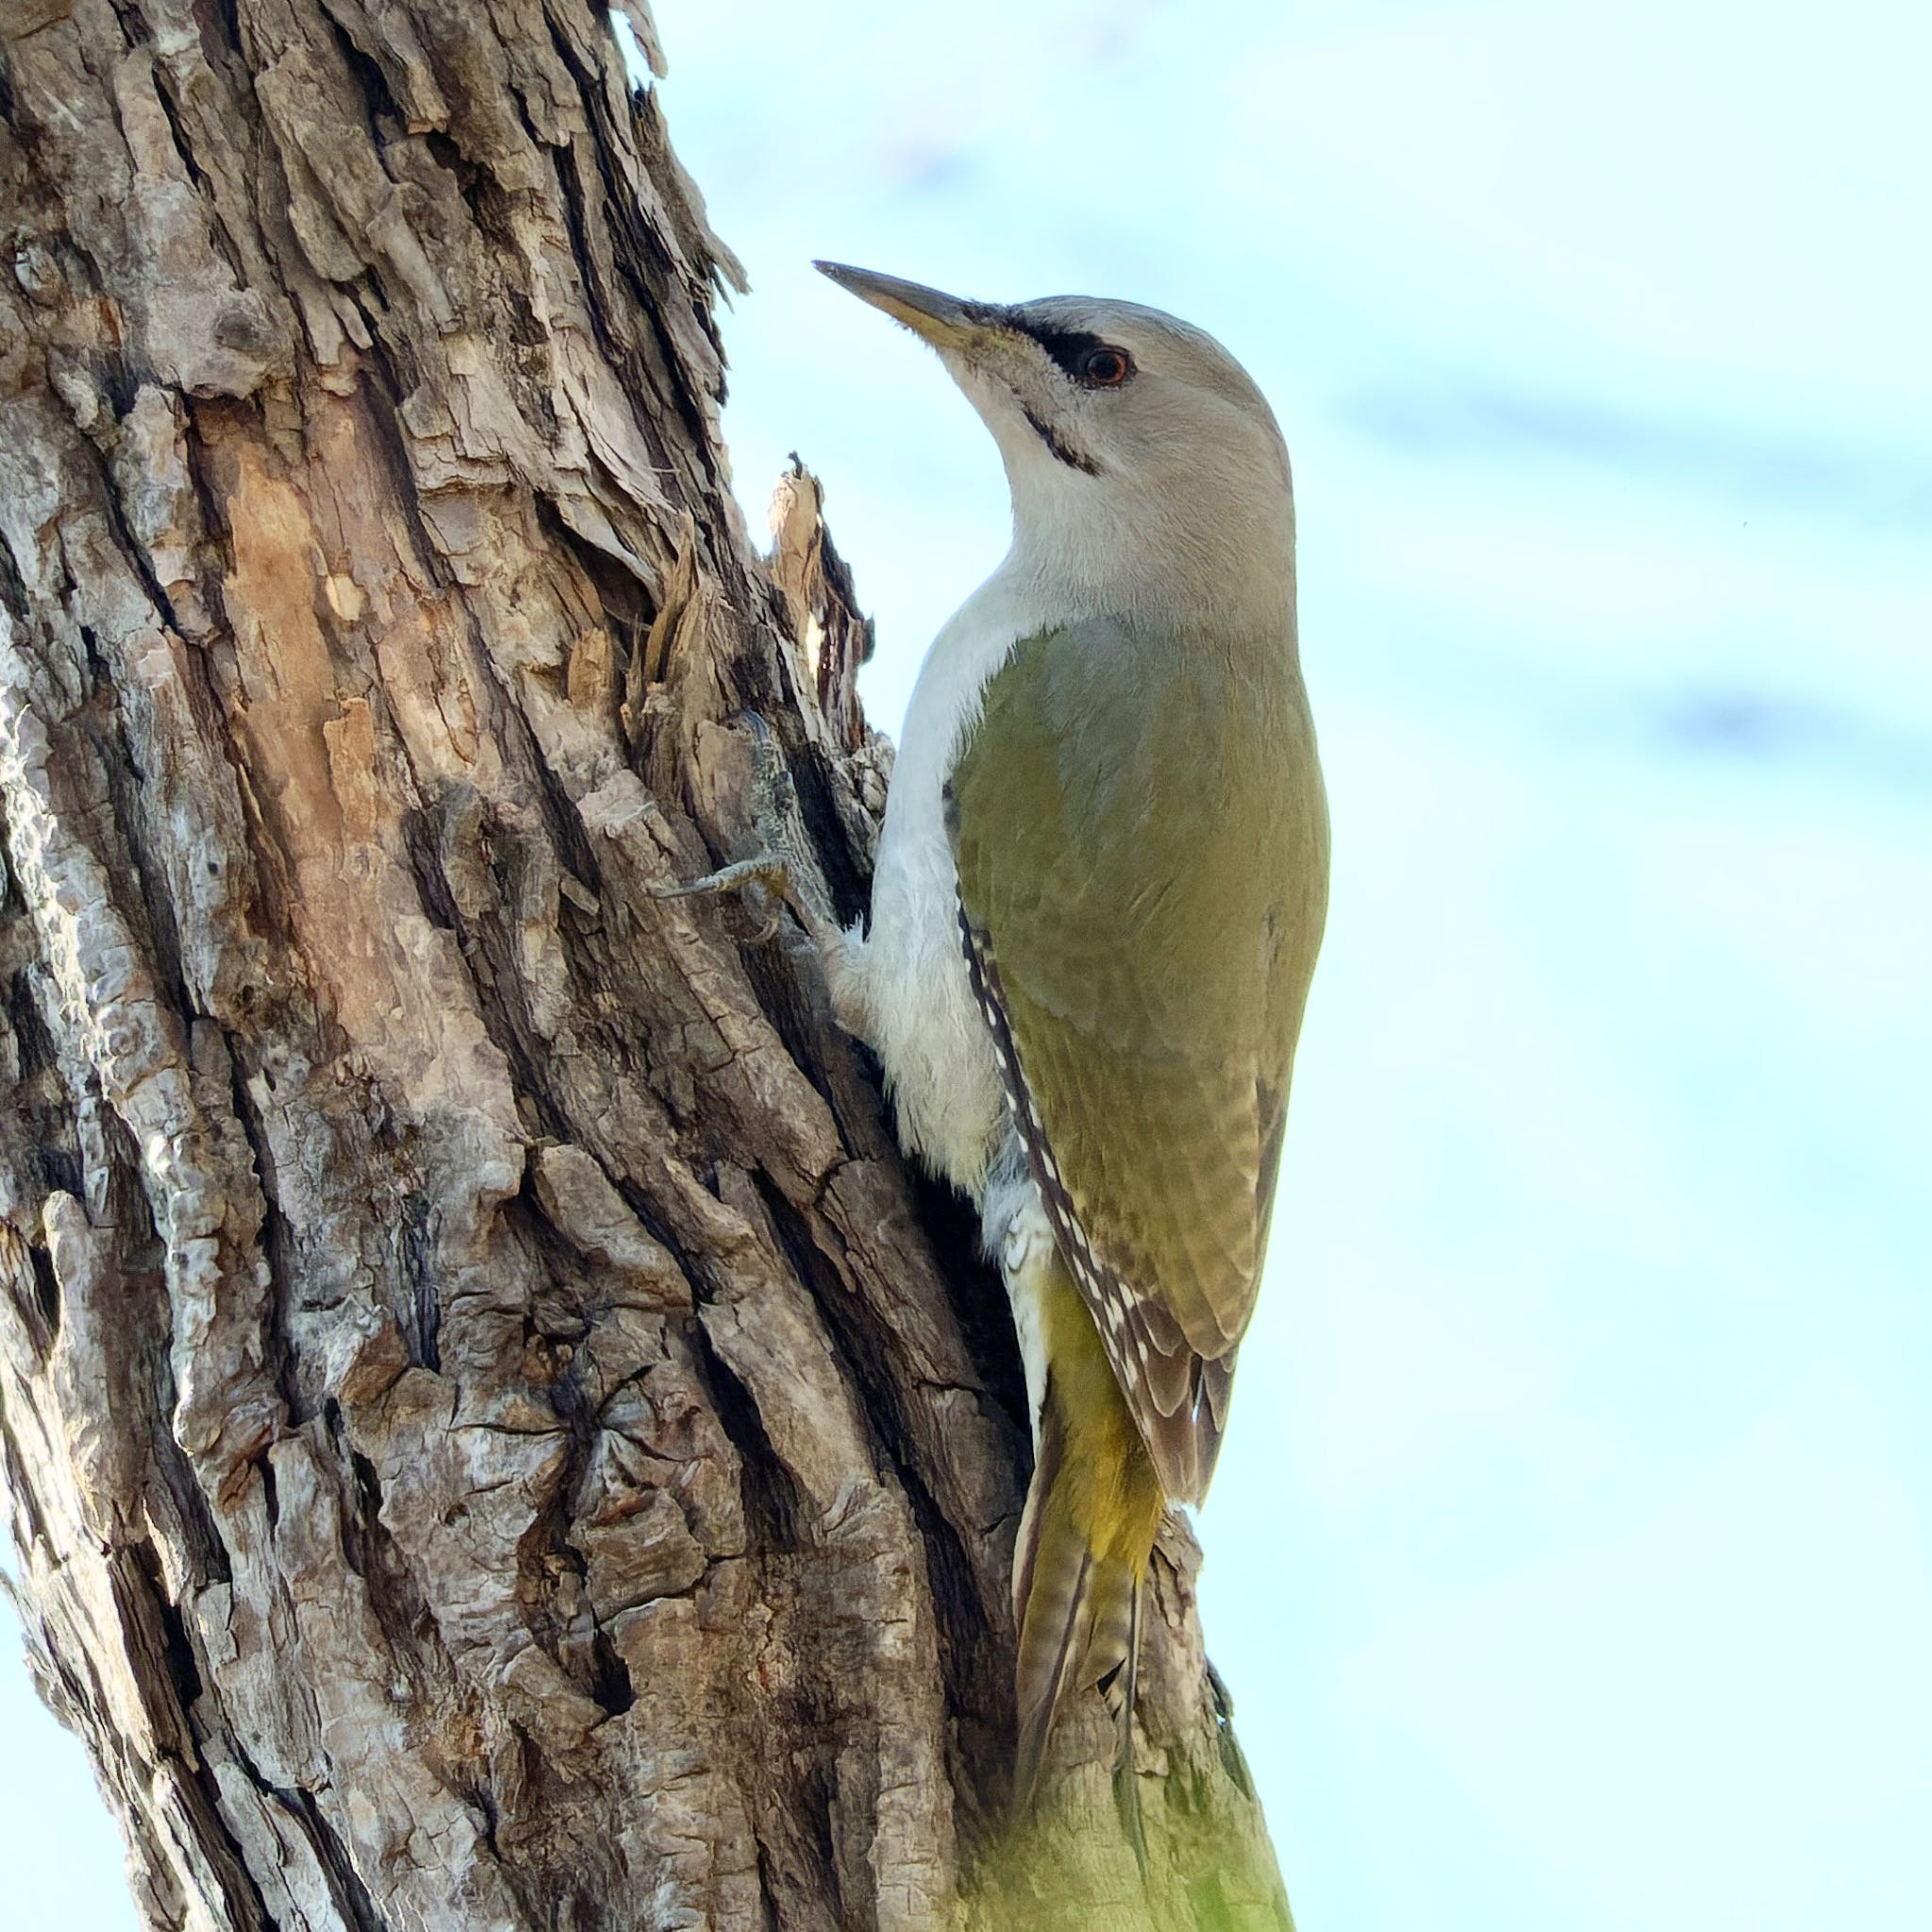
[494, 1437]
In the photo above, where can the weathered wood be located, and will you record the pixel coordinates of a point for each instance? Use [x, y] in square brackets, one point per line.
[494, 1437]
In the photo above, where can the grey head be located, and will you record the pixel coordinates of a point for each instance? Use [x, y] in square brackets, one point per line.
[1145, 466]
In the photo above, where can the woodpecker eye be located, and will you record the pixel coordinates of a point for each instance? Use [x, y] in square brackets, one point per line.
[1105, 368]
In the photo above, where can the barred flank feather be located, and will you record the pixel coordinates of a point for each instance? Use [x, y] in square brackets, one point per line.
[1092, 1513]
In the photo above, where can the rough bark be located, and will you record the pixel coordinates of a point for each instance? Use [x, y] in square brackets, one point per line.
[494, 1437]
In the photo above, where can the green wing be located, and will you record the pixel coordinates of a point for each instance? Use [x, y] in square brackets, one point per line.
[1141, 840]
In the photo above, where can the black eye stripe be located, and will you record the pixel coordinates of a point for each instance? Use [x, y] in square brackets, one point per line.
[1067, 346]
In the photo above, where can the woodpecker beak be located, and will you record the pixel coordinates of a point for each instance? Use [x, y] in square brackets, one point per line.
[943, 321]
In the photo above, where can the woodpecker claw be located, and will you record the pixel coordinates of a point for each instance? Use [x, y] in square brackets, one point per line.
[785, 868]
[766, 871]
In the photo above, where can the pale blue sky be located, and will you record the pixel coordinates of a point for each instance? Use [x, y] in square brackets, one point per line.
[1568, 1560]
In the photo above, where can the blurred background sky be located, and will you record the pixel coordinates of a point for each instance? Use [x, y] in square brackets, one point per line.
[1569, 1558]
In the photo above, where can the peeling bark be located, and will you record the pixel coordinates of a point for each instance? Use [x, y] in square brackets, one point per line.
[494, 1437]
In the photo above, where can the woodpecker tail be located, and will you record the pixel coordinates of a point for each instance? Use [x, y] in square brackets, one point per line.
[1089, 1527]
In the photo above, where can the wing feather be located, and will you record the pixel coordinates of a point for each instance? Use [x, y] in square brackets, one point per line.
[1142, 846]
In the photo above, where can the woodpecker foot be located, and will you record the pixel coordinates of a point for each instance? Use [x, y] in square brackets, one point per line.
[785, 869]
[768, 872]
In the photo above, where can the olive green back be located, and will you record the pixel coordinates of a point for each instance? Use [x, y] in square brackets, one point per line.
[1143, 846]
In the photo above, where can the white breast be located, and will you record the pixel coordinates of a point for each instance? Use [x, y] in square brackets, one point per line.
[913, 995]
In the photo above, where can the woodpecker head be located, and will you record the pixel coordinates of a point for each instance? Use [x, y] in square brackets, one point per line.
[1144, 464]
